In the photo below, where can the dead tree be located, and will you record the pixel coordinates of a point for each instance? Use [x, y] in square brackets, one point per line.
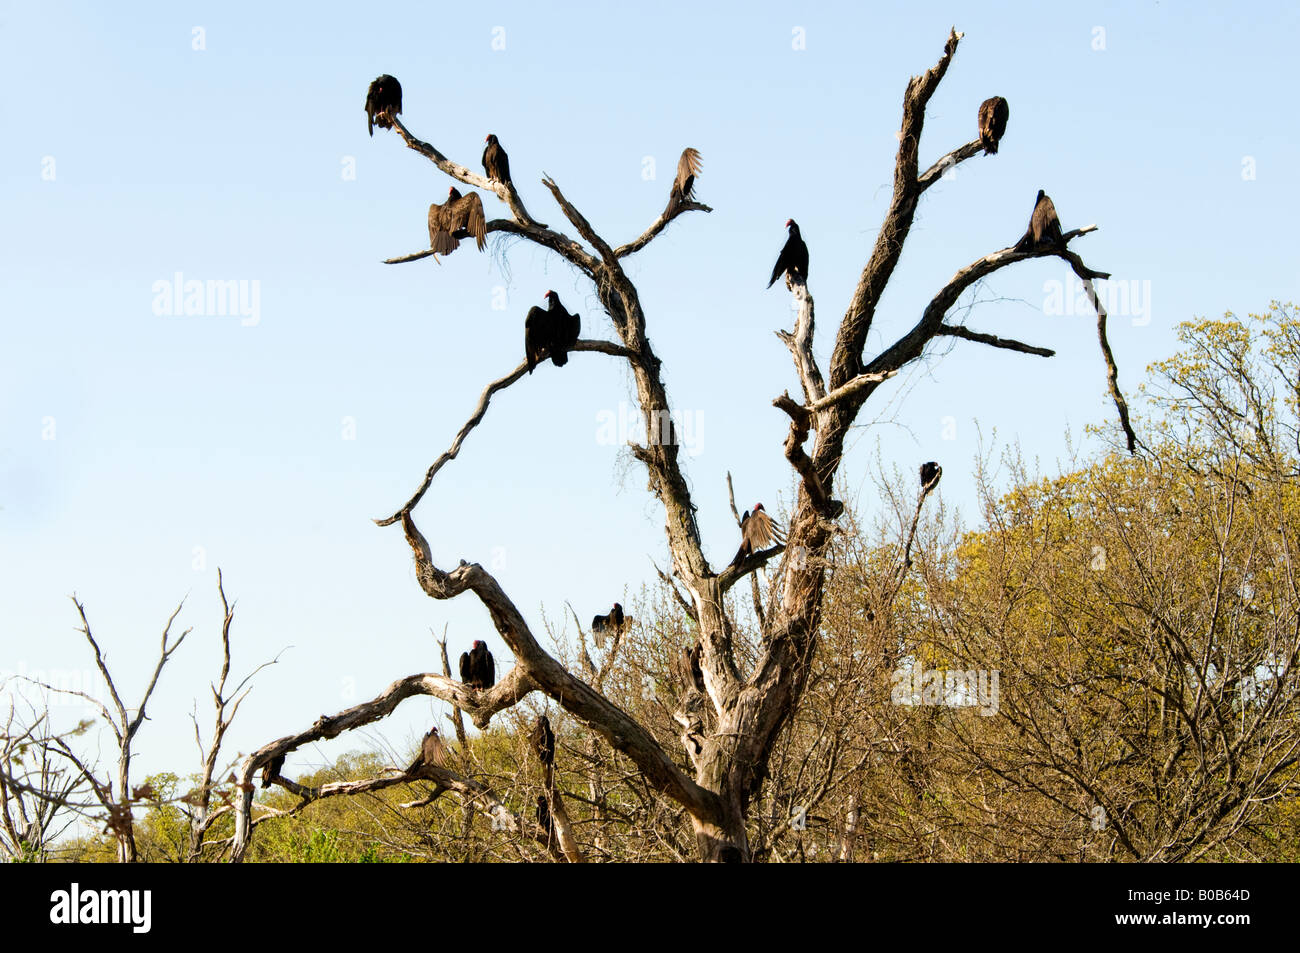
[196, 804]
[39, 799]
[749, 708]
[115, 811]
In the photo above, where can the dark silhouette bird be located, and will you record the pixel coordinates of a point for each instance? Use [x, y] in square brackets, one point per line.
[461, 216]
[552, 331]
[495, 161]
[756, 530]
[543, 741]
[993, 123]
[432, 753]
[271, 770]
[544, 817]
[930, 473]
[608, 623]
[1044, 226]
[793, 260]
[383, 102]
[477, 667]
[683, 190]
[688, 669]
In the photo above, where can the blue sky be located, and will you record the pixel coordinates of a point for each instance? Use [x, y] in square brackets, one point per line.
[130, 155]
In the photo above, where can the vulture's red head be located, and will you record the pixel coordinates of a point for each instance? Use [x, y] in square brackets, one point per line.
[789, 222]
[757, 507]
[490, 138]
[617, 607]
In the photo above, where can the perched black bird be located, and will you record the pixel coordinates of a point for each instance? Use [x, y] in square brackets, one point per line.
[544, 817]
[495, 161]
[793, 260]
[543, 740]
[1044, 226]
[432, 753]
[608, 623]
[271, 770]
[688, 669]
[461, 216]
[477, 667]
[756, 530]
[930, 473]
[383, 102]
[552, 331]
[993, 123]
[683, 190]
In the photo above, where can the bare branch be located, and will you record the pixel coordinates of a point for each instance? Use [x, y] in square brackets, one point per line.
[580, 223]
[457, 719]
[603, 347]
[898, 222]
[801, 343]
[667, 215]
[936, 171]
[966, 334]
[852, 387]
[1112, 372]
[800, 421]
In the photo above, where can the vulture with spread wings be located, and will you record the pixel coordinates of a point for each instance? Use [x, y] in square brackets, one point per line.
[610, 622]
[552, 331]
[383, 102]
[461, 216]
[993, 123]
[688, 167]
[432, 753]
[757, 531]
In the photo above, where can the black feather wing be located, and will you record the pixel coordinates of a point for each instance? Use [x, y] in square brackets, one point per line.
[537, 336]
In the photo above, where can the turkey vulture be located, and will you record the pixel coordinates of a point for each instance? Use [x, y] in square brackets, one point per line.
[552, 331]
[688, 167]
[605, 623]
[477, 667]
[495, 161]
[383, 102]
[1044, 226]
[432, 753]
[688, 669]
[993, 123]
[756, 530]
[543, 740]
[271, 770]
[793, 260]
[544, 817]
[461, 216]
[930, 473]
